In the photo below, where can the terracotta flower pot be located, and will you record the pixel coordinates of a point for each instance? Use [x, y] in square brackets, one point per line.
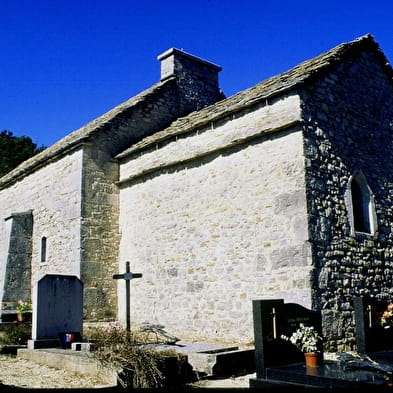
[312, 359]
[24, 317]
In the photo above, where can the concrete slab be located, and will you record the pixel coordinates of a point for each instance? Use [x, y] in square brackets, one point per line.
[65, 359]
[219, 360]
[196, 347]
[206, 359]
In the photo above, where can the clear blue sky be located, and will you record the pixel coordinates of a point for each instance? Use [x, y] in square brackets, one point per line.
[64, 63]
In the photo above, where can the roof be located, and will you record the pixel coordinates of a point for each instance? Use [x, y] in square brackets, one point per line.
[269, 88]
[81, 135]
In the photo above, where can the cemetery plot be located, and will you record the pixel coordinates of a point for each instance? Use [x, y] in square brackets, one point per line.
[280, 364]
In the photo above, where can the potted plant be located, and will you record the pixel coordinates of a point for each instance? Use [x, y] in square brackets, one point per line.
[307, 339]
[24, 310]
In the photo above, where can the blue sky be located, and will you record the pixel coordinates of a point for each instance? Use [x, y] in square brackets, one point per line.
[64, 63]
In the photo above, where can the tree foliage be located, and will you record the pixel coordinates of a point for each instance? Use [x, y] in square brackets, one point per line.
[14, 150]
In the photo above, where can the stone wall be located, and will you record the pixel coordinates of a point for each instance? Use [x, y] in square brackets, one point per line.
[100, 200]
[348, 115]
[6, 226]
[17, 274]
[74, 197]
[218, 220]
[52, 194]
[99, 234]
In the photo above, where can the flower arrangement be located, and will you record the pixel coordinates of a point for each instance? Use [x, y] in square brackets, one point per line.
[387, 317]
[305, 338]
[23, 307]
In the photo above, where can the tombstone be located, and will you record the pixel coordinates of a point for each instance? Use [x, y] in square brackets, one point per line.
[273, 318]
[57, 311]
[371, 336]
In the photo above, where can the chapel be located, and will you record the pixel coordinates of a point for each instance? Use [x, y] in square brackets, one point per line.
[281, 191]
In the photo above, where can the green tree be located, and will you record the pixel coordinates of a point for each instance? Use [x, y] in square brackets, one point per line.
[14, 150]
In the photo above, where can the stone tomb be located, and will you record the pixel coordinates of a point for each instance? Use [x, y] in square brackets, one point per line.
[279, 364]
[273, 318]
[57, 311]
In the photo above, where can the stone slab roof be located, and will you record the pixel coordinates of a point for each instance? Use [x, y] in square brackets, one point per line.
[267, 89]
[81, 135]
[277, 85]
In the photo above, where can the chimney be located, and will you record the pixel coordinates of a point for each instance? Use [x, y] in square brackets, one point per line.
[196, 78]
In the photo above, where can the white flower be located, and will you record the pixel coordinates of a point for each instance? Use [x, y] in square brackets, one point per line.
[305, 338]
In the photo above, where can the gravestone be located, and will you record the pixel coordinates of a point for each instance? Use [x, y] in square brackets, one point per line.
[57, 311]
[371, 336]
[272, 319]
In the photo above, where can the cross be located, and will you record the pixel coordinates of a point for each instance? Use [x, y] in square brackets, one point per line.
[127, 276]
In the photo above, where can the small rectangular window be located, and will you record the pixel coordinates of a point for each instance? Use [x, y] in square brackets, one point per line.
[43, 249]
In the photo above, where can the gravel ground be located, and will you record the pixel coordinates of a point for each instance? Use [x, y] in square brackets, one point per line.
[23, 373]
[26, 374]
[230, 383]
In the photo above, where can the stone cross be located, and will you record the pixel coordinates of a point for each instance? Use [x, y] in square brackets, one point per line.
[127, 276]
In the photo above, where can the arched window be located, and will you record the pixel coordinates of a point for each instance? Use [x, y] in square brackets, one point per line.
[43, 249]
[361, 204]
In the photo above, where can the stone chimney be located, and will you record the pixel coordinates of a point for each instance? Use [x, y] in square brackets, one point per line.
[196, 78]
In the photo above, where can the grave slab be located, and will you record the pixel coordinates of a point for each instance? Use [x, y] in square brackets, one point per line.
[329, 375]
[213, 359]
[64, 359]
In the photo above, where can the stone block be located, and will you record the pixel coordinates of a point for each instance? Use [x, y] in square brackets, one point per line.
[43, 343]
[82, 346]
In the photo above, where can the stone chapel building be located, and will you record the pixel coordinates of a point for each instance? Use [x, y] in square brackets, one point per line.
[284, 190]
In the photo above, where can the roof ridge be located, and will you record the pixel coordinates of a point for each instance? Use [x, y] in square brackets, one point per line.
[80, 135]
[273, 86]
